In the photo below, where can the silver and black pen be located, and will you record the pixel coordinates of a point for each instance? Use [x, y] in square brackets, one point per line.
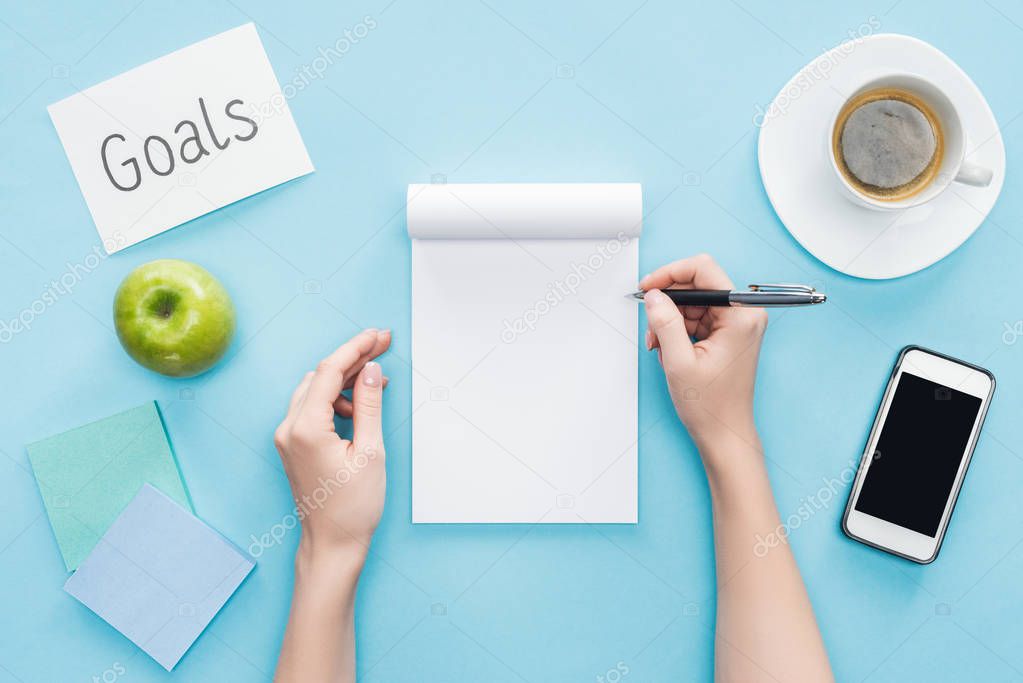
[757, 295]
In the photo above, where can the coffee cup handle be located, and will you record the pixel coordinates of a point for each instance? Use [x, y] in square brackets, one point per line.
[972, 174]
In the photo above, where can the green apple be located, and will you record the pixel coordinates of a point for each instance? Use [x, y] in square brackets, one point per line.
[173, 317]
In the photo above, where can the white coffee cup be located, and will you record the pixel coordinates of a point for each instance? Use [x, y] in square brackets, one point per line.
[952, 167]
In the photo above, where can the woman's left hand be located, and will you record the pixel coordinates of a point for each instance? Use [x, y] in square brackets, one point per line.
[338, 483]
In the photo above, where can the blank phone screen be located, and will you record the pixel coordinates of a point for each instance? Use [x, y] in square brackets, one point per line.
[922, 443]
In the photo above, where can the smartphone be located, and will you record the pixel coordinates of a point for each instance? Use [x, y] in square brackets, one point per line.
[917, 453]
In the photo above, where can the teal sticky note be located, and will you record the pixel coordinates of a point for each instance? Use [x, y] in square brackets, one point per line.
[88, 475]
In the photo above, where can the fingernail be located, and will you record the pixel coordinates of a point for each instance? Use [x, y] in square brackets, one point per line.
[387, 331]
[653, 298]
[643, 279]
[649, 340]
[371, 374]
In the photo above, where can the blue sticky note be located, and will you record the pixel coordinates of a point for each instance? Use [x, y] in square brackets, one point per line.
[159, 575]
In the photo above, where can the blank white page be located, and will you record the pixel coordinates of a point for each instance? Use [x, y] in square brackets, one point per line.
[524, 352]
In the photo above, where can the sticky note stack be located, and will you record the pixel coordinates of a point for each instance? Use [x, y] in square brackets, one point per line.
[123, 519]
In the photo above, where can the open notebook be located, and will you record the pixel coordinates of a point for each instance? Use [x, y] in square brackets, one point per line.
[524, 352]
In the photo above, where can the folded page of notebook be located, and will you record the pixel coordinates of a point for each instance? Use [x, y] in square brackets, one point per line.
[524, 352]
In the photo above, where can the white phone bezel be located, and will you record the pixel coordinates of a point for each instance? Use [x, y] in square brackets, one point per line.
[891, 537]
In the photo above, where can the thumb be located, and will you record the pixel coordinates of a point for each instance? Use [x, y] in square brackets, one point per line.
[669, 327]
[367, 399]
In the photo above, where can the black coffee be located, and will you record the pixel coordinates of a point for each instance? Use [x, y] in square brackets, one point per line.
[888, 143]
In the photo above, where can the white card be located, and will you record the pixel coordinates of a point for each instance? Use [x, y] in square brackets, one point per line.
[524, 352]
[179, 137]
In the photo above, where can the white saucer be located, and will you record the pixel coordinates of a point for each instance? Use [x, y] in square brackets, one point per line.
[802, 187]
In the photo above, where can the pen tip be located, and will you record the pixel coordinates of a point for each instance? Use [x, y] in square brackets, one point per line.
[638, 296]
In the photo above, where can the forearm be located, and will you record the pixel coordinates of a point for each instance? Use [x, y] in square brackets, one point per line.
[319, 642]
[766, 629]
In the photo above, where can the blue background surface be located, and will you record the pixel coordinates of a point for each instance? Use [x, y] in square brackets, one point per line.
[655, 92]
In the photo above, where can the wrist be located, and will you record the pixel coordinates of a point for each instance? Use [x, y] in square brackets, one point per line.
[714, 429]
[731, 456]
[333, 565]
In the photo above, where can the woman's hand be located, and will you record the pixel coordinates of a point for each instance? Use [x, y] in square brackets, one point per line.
[710, 381]
[338, 483]
[338, 486]
[765, 624]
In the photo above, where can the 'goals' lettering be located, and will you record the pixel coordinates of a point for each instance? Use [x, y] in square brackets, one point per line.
[161, 154]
